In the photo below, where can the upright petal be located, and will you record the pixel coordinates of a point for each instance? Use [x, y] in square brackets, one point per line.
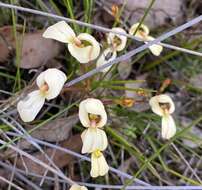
[155, 102]
[87, 51]
[112, 39]
[93, 139]
[155, 49]
[107, 56]
[77, 187]
[61, 32]
[168, 127]
[30, 106]
[99, 166]
[142, 31]
[55, 80]
[92, 106]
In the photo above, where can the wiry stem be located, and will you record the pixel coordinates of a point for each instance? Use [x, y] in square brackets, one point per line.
[38, 162]
[118, 172]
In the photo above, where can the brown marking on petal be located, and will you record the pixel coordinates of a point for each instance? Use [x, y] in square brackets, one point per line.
[94, 119]
[165, 107]
[44, 88]
[142, 33]
[116, 41]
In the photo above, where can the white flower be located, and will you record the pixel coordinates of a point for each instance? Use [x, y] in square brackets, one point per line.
[93, 116]
[92, 113]
[83, 47]
[143, 33]
[93, 139]
[99, 166]
[50, 83]
[78, 187]
[118, 42]
[163, 106]
[107, 56]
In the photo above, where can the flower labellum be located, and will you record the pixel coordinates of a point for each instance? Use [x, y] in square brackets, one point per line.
[163, 106]
[107, 56]
[50, 83]
[143, 33]
[99, 166]
[118, 42]
[78, 187]
[83, 47]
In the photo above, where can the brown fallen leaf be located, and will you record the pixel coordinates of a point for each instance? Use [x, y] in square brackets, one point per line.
[36, 50]
[61, 159]
[161, 13]
[56, 130]
[6, 42]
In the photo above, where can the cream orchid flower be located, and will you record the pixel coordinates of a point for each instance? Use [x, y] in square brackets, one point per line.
[78, 187]
[118, 42]
[83, 47]
[50, 83]
[107, 56]
[143, 33]
[163, 106]
[93, 116]
[99, 166]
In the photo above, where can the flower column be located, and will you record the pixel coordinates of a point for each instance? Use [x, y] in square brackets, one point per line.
[93, 116]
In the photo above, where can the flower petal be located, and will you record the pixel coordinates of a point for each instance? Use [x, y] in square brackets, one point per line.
[104, 59]
[92, 106]
[60, 31]
[142, 28]
[94, 172]
[155, 49]
[111, 38]
[99, 166]
[55, 80]
[30, 106]
[104, 168]
[77, 187]
[93, 139]
[168, 127]
[87, 53]
[163, 98]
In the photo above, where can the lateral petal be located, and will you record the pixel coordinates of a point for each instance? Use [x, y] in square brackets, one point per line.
[30, 106]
